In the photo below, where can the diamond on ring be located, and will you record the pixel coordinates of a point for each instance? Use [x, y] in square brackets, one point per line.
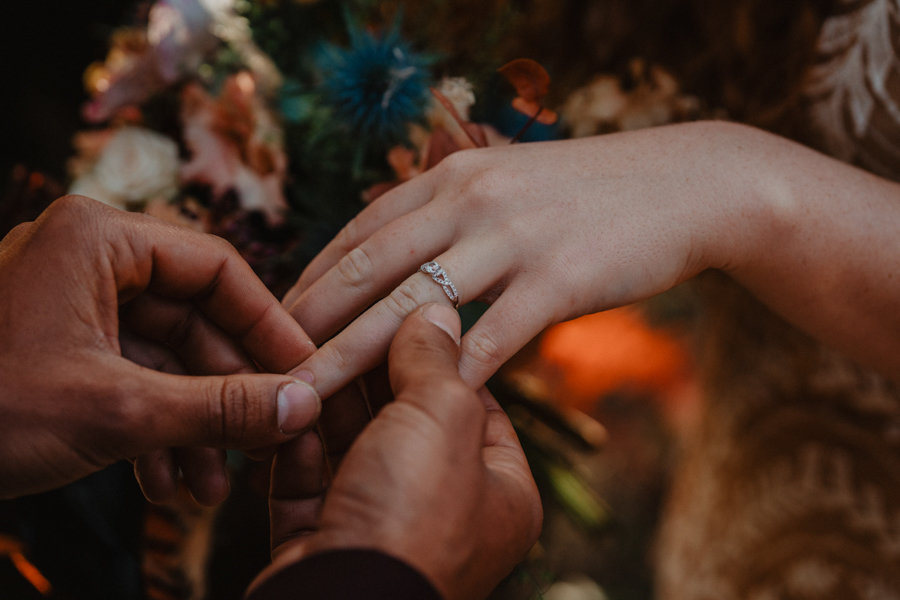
[440, 277]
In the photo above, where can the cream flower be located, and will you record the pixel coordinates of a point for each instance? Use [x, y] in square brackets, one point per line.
[589, 108]
[603, 105]
[459, 92]
[135, 166]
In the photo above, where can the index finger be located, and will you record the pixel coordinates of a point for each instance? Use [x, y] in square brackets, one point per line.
[207, 270]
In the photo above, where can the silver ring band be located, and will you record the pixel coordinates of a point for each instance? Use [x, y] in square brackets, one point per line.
[439, 276]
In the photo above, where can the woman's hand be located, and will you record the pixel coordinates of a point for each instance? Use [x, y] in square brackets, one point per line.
[89, 298]
[549, 231]
[438, 479]
[544, 232]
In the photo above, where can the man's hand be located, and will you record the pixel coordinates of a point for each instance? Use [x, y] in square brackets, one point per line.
[438, 479]
[89, 298]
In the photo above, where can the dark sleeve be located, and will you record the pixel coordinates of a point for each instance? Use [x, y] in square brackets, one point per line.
[342, 574]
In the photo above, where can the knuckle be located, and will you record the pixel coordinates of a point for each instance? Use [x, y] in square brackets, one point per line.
[451, 388]
[347, 237]
[125, 414]
[482, 349]
[446, 401]
[416, 416]
[229, 412]
[476, 185]
[454, 165]
[73, 203]
[356, 267]
[412, 416]
[402, 300]
[437, 348]
[335, 356]
[20, 229]
[72, 213]
[483, 186]
[221, 244]
[478, 193]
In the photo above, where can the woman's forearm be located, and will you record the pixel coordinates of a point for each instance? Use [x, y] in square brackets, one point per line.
[818, 241]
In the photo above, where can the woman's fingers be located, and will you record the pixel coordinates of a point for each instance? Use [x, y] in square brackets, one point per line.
[520, 313]
[363, 344]
[394, 204]
[516, 317]
[369, 271]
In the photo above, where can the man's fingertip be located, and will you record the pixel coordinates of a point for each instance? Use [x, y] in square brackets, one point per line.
[298, 407]
[444, 317]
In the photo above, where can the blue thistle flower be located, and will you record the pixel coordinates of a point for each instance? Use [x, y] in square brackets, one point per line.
[377, 85]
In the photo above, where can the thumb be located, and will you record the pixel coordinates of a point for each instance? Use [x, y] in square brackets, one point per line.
[423, 369]
[232, 411]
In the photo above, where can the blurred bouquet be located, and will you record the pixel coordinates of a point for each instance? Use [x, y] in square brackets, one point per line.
[184, 128]
[192, 122]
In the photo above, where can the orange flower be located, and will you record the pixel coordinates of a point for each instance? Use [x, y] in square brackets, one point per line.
[612, 351]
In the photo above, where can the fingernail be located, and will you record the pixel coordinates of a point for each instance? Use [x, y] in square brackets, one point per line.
[305, 376]
[445, 318]
[298, 407]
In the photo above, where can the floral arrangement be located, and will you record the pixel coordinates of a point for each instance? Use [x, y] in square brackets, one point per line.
[272, 123]
[193, 121]
[191, 117]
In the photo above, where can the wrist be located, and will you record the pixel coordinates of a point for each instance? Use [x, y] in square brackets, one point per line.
[814, 239]
[751, 203]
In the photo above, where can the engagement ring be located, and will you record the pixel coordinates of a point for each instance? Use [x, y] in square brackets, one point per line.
[439, 276]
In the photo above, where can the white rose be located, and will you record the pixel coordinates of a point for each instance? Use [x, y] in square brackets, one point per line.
[135, 166]
[598, 103]
[459, 92]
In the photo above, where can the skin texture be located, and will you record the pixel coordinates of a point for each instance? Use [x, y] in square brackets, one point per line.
[108, 319]
[437, 479]
[549, 231]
